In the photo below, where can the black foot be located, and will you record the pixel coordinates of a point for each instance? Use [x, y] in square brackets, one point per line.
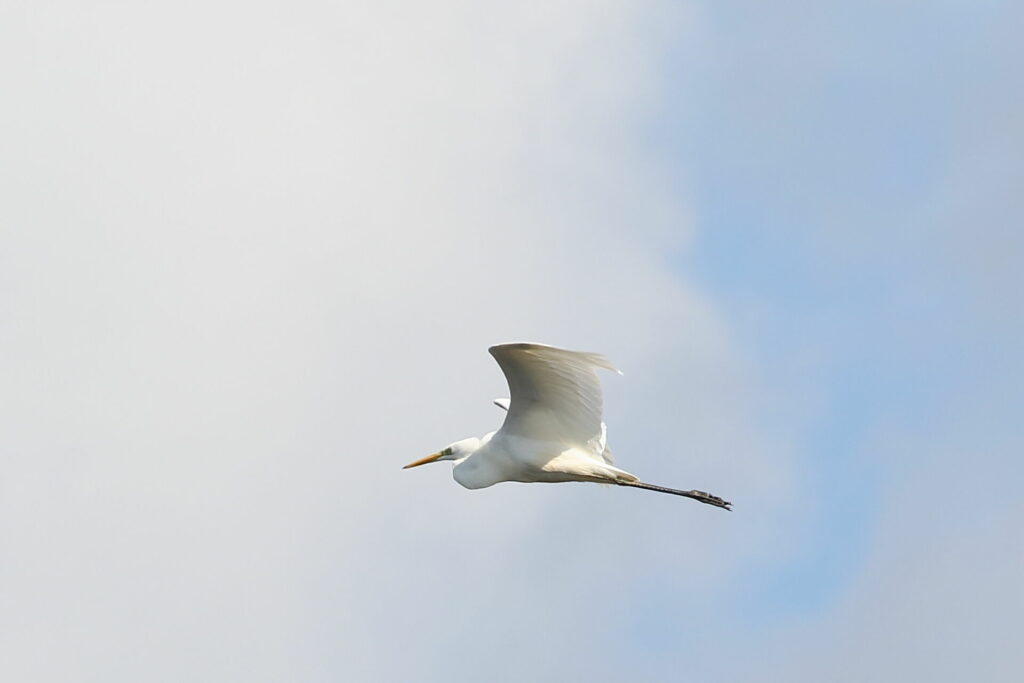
[705, 497]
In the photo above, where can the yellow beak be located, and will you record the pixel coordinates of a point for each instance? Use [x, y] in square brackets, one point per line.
[423, 461]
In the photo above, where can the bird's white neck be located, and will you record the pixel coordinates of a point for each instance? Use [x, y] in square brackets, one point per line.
[476, 470]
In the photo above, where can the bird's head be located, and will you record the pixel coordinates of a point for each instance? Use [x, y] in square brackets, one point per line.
[460, 450]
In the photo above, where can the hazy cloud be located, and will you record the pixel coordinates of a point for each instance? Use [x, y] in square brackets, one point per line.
[252, 258]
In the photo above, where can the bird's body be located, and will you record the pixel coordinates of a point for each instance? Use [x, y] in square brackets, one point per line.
[504, 457]
[553, 430]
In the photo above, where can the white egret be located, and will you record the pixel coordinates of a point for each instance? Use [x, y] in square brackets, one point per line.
[552, 431]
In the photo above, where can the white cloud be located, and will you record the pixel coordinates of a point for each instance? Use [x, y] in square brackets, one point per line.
[252, 257]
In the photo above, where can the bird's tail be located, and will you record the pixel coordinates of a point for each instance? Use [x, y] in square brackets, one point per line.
[696, 495]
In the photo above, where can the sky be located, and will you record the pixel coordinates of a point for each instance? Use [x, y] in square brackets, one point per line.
[252, 255]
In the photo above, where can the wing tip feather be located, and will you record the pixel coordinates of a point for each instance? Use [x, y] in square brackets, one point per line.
[595, 359]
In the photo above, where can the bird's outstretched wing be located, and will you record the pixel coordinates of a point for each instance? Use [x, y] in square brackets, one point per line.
[601, 446]
[556, 395]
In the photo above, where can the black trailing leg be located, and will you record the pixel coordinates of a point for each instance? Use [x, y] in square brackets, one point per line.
[696, 495]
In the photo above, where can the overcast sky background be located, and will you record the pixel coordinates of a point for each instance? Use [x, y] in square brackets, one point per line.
[252, 254]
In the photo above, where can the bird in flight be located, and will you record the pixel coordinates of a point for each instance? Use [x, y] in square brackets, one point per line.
[552, 431]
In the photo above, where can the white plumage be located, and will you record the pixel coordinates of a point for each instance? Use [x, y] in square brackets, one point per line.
[553, 430]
